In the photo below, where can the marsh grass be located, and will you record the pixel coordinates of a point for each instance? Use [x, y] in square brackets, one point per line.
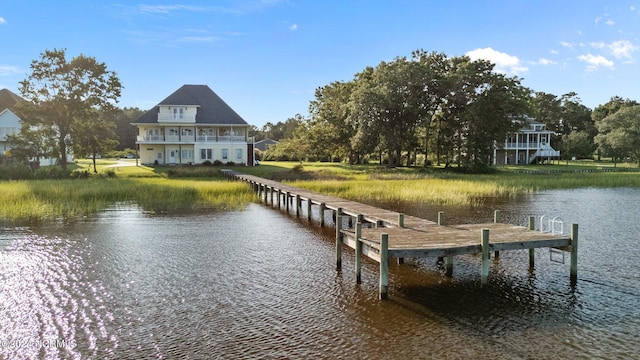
[36, 200]
[446, 188]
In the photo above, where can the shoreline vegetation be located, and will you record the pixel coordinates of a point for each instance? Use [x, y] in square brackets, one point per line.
[166, 189]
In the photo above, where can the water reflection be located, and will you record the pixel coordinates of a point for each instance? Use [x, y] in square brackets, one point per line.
[260, 284]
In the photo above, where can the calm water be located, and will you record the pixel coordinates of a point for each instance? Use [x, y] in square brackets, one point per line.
[258, 283]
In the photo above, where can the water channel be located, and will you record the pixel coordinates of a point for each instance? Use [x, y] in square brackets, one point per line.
[259, 283]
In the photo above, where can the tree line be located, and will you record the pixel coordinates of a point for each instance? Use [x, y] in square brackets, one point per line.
[428, 108]
[431, 108]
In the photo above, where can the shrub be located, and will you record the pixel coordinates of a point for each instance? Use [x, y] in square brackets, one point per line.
[231, 163]
[51, 172]
[207, 163]
[217, 163]
[15, 171]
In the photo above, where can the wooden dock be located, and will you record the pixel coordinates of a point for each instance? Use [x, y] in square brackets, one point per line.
[383, 234]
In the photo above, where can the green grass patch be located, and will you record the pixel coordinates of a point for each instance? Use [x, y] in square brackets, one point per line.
[36, 200]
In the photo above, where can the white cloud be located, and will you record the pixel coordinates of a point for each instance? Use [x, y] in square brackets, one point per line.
[6, 70]
[621, 49]
[610, 22]
[596, 61]
[505, 63]
[632, 8]
[566, 44]
[2, 20]
[543, 61]
[167, 9]
[293, 27]
[554, 52]
[598, 20]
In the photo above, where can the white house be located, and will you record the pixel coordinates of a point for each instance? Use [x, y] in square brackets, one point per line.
[10, 124]
[530, 144]
[191, 126]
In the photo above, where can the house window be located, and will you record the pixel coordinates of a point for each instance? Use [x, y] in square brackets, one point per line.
[187, 154]
[206, 154]
[178, 113]
[225, 154]
[239, 154]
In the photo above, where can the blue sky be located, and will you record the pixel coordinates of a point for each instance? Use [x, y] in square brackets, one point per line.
[265, 58]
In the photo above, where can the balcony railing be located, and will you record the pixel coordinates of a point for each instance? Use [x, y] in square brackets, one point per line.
[189, 139]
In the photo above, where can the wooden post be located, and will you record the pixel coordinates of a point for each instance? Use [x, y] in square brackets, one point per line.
[532, 252]
[338, 239]
[484, 271]
[308, 209]
[298, 203]
[384, 266]
[271, 193]
[574, 255]
[441, 223]
[400, 220]
[449, 265]
[359, 250]
[322, 207]
[497, 215]
[279, 196]
[287, 195]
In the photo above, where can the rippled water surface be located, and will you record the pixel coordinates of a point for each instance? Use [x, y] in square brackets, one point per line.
[258, 283]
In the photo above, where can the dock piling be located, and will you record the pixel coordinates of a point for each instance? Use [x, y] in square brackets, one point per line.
[298, 205]
[574, 255]
[484, 271]
[358, 249]
[322, 208]
[309, 209]
[441, 223]
[532, 252]
[497, 217]
[339, 239]
[384, 266]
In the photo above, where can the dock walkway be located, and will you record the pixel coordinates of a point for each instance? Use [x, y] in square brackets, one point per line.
[383, 234]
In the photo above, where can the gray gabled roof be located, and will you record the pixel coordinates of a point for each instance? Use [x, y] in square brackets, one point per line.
[9, 100]
[211, 108]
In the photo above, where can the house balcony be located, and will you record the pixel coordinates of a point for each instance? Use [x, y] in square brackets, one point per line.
[188, 139]
[524, 146]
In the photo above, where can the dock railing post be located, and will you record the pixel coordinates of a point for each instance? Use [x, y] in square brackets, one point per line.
[574, 255]
[279, 196]
[400, 220]
[359, 250]
[484, 271]
[298, 205]
[339, 239]
[532, 252]
[384, 266]
[497, 217]
[322, 208]
[286, 200]
[308, 209]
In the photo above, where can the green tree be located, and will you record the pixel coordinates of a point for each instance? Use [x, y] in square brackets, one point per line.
[330, 131]
[619, 133]
[601, 111]
[578, 144]
[126, 133]
[64, 93]
[94, 135]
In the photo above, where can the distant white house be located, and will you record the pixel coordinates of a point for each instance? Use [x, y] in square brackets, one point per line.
[10, 124]
[530, 144]
[192, 126]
